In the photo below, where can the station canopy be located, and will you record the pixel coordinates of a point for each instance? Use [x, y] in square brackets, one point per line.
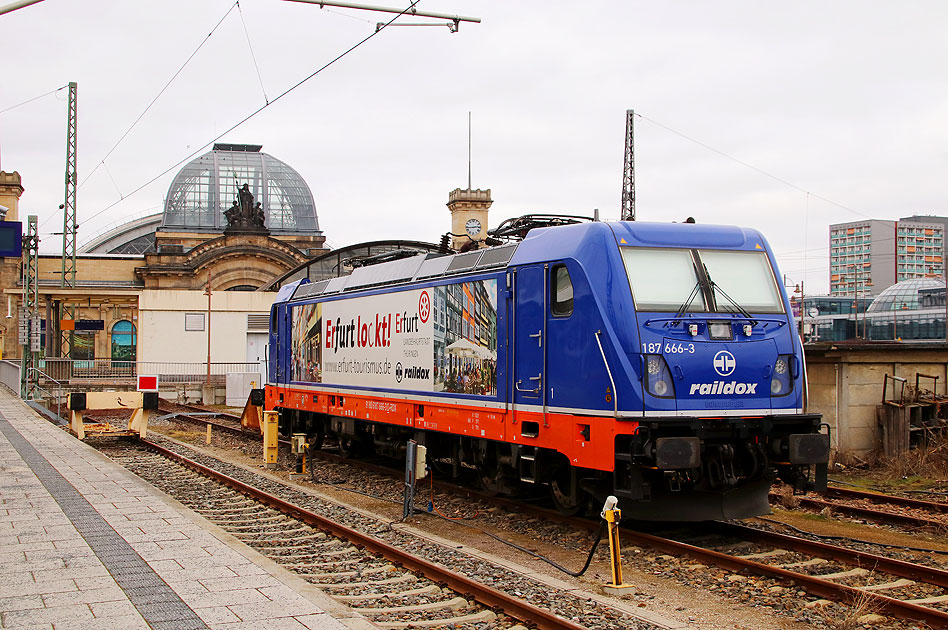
[912, 294]
[207, 186]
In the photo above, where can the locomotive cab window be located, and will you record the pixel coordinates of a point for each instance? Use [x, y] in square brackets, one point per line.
[741, 280]
[561, 289]
[663, 279]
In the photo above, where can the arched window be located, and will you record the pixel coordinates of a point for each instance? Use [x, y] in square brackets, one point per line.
[124, 341]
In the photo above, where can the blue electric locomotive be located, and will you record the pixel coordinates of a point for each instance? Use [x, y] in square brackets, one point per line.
[656, 362]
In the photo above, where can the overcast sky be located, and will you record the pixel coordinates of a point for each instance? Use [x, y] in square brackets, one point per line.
[785, 117]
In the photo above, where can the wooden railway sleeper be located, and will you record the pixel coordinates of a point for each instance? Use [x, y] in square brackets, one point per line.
[455, 603]
[399, 579]
[431, 589]
[484, 616]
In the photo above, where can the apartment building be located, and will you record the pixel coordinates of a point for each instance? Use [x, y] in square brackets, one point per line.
[868, 256]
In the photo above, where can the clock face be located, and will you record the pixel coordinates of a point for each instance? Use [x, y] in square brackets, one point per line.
[473, 227]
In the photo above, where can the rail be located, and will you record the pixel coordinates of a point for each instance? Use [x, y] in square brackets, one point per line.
[486, 595]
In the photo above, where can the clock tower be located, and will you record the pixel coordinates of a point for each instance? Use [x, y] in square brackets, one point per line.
[468, 215]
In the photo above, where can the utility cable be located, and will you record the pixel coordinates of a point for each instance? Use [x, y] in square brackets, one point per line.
[252, 56]
[30, 100]
[437, 513]
[157, 96]
[750, 166]
[530, 552]
[257, 111]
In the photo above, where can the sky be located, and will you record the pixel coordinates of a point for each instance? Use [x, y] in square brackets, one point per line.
[784, 117]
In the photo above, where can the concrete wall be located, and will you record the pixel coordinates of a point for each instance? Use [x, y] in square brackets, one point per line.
[846, 380]
[162, 336]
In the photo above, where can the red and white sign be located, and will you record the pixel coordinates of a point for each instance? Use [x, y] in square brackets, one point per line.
[147, 383]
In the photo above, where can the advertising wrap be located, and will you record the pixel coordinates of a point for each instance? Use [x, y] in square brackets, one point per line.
[441, 338]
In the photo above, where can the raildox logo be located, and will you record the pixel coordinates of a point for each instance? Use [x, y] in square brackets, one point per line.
[724, 363]
[412, 372]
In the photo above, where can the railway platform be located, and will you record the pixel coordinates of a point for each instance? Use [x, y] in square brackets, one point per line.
[86, 544]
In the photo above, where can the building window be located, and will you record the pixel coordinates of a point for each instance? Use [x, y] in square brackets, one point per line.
[83, 346]
[124, 341]
[194, 321]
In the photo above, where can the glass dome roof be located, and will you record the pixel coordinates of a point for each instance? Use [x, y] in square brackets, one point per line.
[208, 185]
[905, 295]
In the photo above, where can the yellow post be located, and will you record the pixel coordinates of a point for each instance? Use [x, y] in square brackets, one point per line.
[271, 434]
[207, 440]
[613, 516]
[299, 446]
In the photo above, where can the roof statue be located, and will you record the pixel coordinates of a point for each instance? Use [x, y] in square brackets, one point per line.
[243, 215]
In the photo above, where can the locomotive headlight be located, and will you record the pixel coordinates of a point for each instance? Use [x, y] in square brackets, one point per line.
[719, 330]
[658, 379]
[782, 383]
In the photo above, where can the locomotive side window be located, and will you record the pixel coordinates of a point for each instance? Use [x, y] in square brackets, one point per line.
[561, 302]
[663, 279]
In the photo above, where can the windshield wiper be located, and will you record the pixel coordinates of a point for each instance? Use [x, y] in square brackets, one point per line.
[740, 309]
[715, 287]
[691, 298]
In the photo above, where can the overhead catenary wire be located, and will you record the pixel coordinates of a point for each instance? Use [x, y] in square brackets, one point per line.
[252, 55]
[255, 112]
[158, 95]
[35, 98]
[750, 166]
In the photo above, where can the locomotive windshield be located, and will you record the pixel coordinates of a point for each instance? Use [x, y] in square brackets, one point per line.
[668, 280]
[663, 279]
[744, 277]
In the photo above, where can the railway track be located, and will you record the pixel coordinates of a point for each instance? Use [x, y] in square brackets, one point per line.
[893, 587]
[391, 586]
[877, 507]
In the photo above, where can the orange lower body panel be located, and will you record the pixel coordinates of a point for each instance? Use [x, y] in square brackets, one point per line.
[588, 441]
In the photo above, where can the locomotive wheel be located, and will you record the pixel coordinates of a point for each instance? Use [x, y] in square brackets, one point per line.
[561, 492]
[348, 446]
[491, 478]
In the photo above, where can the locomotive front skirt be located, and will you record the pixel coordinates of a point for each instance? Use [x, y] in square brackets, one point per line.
[655, 362]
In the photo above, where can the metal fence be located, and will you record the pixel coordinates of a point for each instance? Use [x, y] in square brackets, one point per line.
[166, 371]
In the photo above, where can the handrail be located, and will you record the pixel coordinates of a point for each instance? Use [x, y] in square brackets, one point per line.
[615, 394]
[36, 386]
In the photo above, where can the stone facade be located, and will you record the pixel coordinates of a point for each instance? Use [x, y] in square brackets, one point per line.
[846, 380]
[248, 260]
[11, 187]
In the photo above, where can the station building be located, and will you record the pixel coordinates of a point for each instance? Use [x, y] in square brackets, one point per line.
[234, 219]
[910, 310]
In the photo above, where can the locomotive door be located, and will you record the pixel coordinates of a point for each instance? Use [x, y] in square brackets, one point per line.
[529, 364]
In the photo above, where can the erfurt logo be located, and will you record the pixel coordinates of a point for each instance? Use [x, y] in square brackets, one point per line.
[413, 372]
[723, 388]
